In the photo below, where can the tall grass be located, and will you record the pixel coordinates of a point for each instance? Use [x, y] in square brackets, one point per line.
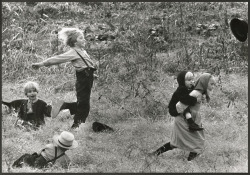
[136, 81]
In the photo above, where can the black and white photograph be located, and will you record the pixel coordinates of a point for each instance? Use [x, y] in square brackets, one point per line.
[124, 87]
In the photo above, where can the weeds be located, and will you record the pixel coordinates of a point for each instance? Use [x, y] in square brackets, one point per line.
[136, 80]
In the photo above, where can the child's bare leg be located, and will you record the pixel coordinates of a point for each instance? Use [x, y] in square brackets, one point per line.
[188, 116]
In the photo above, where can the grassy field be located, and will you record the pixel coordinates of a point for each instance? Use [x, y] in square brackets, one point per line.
[125, 150]
[136, 80]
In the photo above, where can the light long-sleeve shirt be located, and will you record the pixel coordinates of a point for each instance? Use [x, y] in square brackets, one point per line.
[49, 154]
[73, 57]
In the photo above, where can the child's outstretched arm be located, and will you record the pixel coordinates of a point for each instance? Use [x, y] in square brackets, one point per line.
[58, 59]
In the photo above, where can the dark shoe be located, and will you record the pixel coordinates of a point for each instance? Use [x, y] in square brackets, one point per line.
[194, 127]
[192, 155]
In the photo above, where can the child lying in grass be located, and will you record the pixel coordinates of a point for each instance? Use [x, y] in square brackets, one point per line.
[51, 153]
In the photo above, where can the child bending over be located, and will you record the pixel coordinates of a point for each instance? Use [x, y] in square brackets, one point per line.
[181, 137]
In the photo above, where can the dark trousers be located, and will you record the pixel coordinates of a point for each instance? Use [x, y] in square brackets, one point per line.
[71, 106]
[33, 160]
[40, 162]
[84, 83]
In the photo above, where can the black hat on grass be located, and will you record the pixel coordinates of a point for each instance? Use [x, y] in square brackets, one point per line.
[239, 29]
[99, 127]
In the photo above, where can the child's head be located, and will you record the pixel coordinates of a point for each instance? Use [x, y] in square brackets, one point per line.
[31, 89]
[65, 141]
[72, 37]
[205, 84]
[189, 80]
[186, 79]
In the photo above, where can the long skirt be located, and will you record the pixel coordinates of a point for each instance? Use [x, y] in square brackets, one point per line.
[183, 138]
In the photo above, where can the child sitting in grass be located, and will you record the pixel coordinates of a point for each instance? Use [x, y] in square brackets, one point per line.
[51, 153]
[33, 110]
[186, 85]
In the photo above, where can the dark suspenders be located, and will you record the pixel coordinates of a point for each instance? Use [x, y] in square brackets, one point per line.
[56, 157]
[85, 61]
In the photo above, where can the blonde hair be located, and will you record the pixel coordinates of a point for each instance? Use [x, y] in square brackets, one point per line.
[69, 36]
[30, 85]
[189, 75]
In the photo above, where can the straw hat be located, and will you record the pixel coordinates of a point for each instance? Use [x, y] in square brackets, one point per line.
[239, 29]
[65, 140]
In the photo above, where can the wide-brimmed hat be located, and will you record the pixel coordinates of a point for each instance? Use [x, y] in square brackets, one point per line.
[239, 29]
[65, 140]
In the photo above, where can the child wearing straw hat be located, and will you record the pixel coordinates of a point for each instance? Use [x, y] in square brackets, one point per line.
[52, 153]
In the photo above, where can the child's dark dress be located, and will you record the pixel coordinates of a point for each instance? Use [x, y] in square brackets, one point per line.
[40, 109]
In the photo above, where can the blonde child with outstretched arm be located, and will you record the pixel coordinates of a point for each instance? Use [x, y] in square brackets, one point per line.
[84, 66]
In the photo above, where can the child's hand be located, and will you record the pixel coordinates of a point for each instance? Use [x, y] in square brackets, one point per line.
[36, 65]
